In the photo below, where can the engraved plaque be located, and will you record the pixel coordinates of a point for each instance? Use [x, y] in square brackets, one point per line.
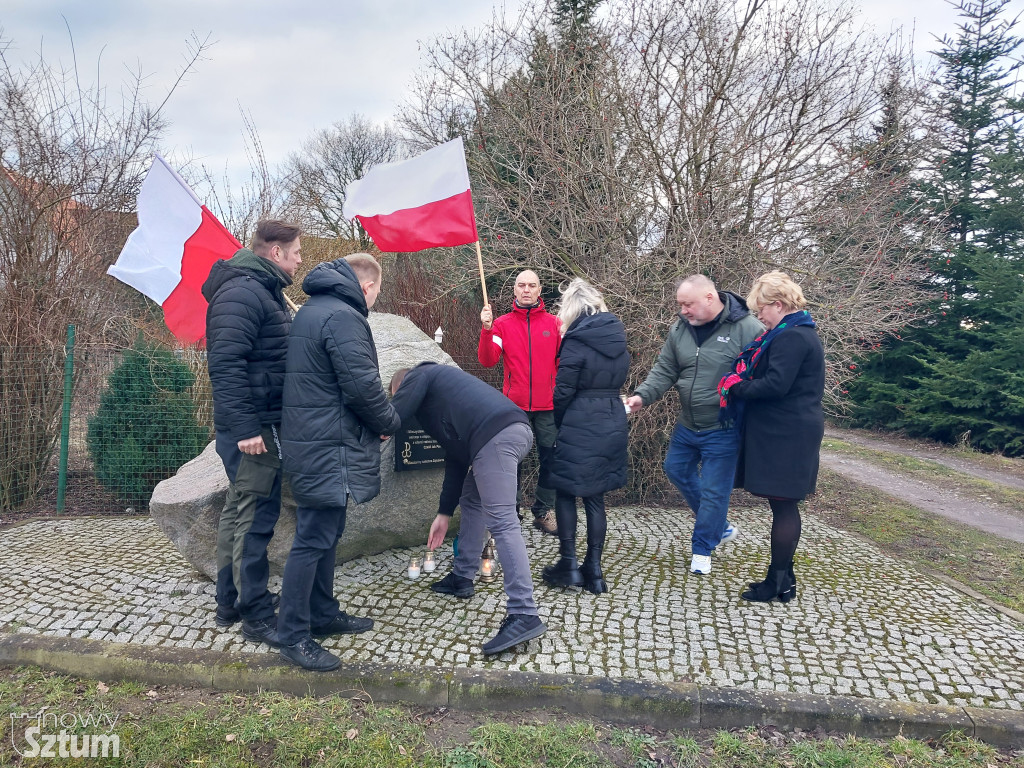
[415, 449]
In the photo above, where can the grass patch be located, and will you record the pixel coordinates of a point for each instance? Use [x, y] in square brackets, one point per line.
[190, 726]
[926, 469]
[991, 565]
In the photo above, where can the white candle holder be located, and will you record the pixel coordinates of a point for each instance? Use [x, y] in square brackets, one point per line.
[414, 568]
[429, 563]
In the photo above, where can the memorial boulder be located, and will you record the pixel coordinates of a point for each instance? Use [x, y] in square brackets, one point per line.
[187, 505]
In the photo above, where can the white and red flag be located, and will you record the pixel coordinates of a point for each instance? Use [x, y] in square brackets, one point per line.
[168, 257]
[424, 202]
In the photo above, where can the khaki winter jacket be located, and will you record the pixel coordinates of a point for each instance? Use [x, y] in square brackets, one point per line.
[695, 371]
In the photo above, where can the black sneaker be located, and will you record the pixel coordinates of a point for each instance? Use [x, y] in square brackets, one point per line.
[344, 624]
[227, 615]
[454, 585]
[262, 632]
[516, 628]
[308, 654]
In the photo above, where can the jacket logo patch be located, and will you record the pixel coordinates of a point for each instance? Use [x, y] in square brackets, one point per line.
[545, 333]
[724, 339]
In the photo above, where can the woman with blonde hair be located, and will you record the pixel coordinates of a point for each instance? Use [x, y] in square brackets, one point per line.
[775, 392]
[590, 450]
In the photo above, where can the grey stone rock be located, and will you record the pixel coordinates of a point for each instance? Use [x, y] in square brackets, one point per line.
[187, 506]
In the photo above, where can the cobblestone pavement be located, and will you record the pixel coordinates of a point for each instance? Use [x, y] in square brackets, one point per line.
[863, 624]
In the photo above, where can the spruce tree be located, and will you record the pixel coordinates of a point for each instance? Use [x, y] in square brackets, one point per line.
[956, 377]
[146, 426]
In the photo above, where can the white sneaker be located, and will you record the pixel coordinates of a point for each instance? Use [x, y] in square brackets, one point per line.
[701, 564]
[731, 533]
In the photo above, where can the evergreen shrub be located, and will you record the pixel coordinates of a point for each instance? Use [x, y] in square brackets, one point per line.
[146, 426]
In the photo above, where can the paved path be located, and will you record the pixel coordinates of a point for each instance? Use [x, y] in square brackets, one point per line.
[1012, 476]
[864, 625]
[931, 496]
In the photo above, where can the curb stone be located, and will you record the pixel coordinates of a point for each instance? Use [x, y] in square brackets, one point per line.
[668, 706]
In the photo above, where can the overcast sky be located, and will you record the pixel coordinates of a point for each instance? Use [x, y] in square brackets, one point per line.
[294, 70]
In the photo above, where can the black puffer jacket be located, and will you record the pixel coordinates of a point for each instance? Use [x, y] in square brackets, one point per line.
[590, 453]
[246, 341]
[335, 408]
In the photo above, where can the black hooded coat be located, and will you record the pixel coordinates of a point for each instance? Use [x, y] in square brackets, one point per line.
[590, 452]
[335, 409]
[247, 326]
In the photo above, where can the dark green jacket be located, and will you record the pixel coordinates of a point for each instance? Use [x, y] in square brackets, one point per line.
[695, 371]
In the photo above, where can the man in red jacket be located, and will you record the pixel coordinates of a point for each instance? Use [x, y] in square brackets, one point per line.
[528, 339]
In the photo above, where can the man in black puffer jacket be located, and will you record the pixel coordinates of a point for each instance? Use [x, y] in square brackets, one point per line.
[335, 412]
[247, 326]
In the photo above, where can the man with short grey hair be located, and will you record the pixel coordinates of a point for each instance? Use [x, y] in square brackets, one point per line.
[712, 329]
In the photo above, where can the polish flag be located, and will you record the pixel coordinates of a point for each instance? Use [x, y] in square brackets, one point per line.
[420, 203]
[168, 257]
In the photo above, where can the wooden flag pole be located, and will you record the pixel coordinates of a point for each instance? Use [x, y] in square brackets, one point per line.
[480, 263]
[294, 307]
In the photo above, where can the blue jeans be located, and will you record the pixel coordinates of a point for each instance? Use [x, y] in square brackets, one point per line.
[702, 465]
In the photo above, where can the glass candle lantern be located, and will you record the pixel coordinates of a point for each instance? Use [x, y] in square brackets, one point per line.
[489, 562]
[414, 568]
[487, 569]
[429, 563]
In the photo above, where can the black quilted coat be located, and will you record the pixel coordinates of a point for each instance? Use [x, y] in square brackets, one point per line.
[590, 454]
[335, 408]
[246, 341]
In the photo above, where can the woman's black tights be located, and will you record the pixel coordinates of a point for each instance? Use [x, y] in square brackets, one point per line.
[785, 532]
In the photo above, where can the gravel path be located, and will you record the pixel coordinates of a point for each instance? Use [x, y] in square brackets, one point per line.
[935, 496]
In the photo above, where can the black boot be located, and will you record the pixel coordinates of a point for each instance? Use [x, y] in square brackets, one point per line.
[566, 572]
[792, 587]
[777, 585]
[593, 579]
[793, 584]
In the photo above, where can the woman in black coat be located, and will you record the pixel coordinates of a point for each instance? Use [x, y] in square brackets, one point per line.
[775, 390]
[590, 451]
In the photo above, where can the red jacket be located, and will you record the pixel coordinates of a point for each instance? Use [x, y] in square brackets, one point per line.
[529, 340]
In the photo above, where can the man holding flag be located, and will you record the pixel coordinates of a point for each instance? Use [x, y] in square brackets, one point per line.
[527, 338]
[247, 324]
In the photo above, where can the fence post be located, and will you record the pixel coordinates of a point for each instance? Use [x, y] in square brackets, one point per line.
[65, 421]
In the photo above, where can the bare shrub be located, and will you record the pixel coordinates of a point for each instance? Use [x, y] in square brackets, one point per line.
[665, 139]
[317, 176]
